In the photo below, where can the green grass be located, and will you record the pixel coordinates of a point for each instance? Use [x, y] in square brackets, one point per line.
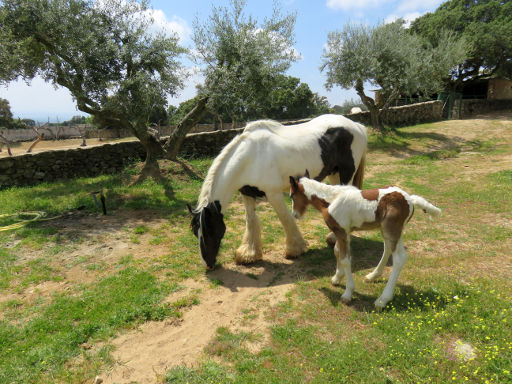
[455, 287]
[40, 346]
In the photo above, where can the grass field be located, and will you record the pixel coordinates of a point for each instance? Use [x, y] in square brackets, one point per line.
[83, 294]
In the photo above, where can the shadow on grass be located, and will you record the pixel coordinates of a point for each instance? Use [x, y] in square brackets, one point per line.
[406, 299]
[313, 264]
[398, 143]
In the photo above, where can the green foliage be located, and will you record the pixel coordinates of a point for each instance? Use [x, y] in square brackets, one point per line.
[6, 120]
[241, 57]
[389, 57]
[485, 24]
[347, 105]
[104, 54]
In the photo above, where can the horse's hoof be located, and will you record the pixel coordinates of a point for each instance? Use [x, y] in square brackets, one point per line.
[245, 255]
[290, 256]
[336, 280]
[330, 240]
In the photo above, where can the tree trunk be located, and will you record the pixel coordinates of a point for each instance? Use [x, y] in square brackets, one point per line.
[151, 143]
[4, 140]
[173, 144]
[372, 107]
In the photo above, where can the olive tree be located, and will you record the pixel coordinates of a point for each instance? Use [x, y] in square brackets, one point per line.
[119, 69]
[388, 56]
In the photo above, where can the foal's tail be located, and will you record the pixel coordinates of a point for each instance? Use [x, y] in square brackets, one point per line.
[422, 203]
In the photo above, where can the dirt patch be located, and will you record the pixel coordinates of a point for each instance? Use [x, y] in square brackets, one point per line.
[20, 148]
[240, 303]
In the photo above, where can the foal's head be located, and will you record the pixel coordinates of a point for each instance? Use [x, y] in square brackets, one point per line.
[299, 199]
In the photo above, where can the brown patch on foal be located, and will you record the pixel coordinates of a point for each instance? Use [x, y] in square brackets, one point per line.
[392, 211]
[370, 194]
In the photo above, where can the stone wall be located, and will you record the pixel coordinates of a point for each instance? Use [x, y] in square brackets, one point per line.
[111, 158]
[405, 115]
[39, 167]
[66, 132]
[471, 108]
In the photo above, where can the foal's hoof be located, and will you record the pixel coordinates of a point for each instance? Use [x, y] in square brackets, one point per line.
[371, 277]
[346, 299]
[330, 239]
[380, 304]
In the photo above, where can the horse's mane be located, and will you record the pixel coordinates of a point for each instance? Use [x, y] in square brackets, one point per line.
[323, 191]
[270, 125]
[204, 195]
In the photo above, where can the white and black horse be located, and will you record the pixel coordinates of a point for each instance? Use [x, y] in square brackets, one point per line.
[258, 163]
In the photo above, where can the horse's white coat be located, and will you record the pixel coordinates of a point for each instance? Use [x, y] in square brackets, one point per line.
[264, 156]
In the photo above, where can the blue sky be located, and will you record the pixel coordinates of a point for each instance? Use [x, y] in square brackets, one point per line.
[315, 18]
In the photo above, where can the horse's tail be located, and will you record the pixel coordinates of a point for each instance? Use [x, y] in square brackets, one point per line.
[422, 203]
[358, 176]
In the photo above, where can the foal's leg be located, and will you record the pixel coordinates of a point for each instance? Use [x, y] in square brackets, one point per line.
[250, 249]
[295, 244]
[342, 251]
[399, 258]
[389, 247]
[336, 279]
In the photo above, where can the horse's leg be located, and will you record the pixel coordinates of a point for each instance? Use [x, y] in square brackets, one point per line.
[250, 249]
[331, 238]
[295, 244]
[399, 258]
[389, 246]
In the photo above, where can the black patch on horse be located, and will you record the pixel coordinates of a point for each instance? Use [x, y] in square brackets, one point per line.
[208, 226]
[250, 191]
[336, 154]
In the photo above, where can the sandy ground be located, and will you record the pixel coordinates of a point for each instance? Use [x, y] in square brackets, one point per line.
[49, 145]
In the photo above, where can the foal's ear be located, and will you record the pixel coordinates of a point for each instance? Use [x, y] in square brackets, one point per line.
[293, 182]
[190, 209]
[306, 174]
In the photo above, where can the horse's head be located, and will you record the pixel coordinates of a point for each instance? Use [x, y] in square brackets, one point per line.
[209, 228]
[299, 200]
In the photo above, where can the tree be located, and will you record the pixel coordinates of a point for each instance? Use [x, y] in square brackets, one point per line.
[347, 105]
[390, 57]
[121, 72]
[242, 58]
[289, 99]
[103, 54]
[5, 114]
[487, 27]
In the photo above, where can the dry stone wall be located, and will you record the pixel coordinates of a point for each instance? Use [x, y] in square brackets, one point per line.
[40, 167]
[111, 158]
[405, 115]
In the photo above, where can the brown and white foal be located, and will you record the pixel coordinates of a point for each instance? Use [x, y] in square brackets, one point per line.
[346, 209]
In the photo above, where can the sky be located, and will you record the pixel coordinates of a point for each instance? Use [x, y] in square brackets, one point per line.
[315, 19]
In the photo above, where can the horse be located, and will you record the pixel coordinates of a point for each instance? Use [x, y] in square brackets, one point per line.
[257, 164]
[346, 209]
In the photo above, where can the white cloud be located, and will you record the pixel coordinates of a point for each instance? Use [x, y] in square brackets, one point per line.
[175, 25]
[408, 17]
[413, 6]
[354, 4]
